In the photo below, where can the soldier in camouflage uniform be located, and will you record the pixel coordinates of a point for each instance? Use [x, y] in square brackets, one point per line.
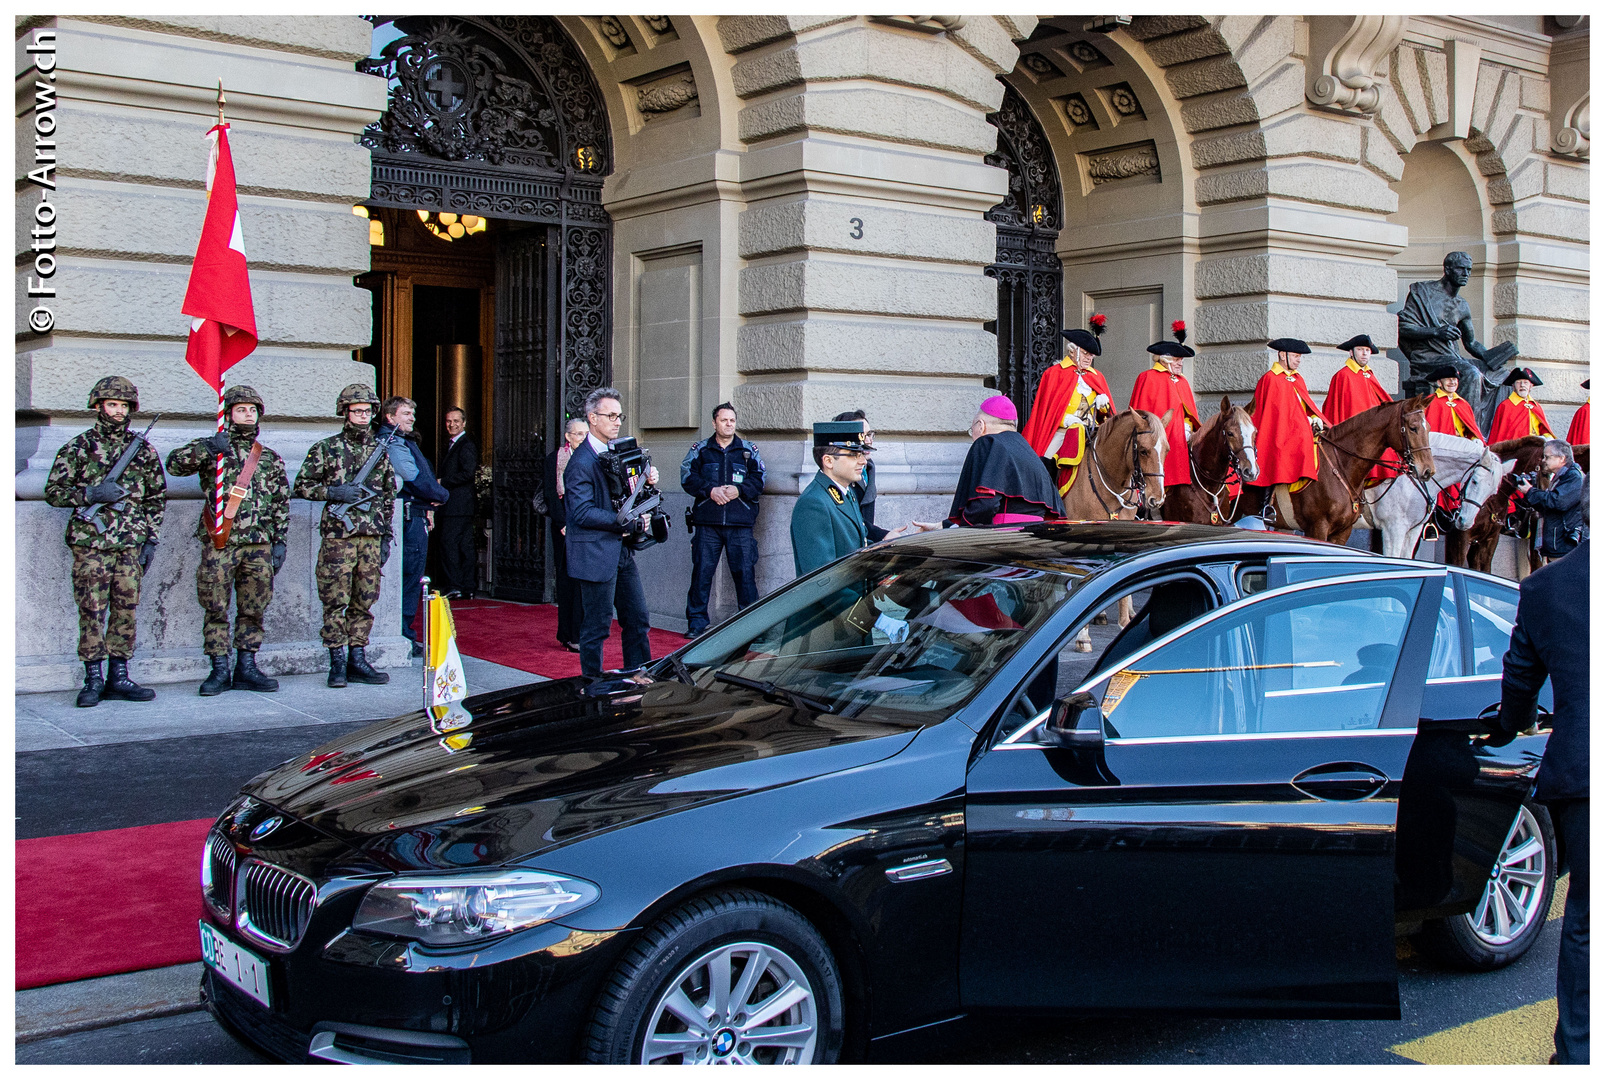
[107, 566]
[350, 559]
[255, 546]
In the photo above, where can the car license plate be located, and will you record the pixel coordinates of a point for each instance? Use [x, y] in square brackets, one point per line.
[242, 967]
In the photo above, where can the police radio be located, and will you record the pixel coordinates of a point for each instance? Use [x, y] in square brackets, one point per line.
[637, 501]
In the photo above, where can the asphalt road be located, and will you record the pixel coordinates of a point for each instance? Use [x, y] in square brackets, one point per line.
[1501, 1017]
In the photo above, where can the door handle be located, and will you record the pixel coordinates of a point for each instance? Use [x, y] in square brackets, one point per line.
[1341, 781]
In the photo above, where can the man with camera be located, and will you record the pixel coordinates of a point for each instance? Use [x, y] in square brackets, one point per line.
[1560, 508]
[599, 559]
[725, 475]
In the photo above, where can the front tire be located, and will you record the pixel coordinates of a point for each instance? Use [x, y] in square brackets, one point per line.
[735, 977]
[1510, 914]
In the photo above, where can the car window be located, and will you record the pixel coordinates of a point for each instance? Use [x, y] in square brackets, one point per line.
[1313, 660]
[883, 634]
[1447, 661]
[1493, 617]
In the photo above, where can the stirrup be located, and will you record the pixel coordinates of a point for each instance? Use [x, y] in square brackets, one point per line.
[1430, 531]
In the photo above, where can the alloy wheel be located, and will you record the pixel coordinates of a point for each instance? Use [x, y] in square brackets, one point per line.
[1515, 893]
[744, 1003]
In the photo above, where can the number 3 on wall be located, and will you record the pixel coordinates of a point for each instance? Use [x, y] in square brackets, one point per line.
[858, 228]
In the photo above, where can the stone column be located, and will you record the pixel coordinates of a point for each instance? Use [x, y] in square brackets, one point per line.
[864, 245]
[134, 99]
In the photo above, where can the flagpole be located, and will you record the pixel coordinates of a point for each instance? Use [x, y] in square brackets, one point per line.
[429, 674]
[222, 418]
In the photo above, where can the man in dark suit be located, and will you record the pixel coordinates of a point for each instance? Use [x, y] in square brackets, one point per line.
[1550, 640]
[454, 533]
[594, 543]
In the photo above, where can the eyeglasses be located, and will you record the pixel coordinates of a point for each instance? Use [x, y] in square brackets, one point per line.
[611, 416]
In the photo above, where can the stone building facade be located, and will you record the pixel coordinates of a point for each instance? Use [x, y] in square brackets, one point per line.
[800, 214]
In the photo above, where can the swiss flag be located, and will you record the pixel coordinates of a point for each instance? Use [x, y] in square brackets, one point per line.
[223, 324]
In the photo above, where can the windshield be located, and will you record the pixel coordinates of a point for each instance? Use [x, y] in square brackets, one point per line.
[882, 632]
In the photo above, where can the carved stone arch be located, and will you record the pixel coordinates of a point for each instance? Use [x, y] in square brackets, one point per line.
[1029, 274]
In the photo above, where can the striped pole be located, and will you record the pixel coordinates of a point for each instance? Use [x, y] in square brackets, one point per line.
[222, 489]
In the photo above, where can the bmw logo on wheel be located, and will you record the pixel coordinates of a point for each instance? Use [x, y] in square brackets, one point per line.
[265, 827]
[724, 1042]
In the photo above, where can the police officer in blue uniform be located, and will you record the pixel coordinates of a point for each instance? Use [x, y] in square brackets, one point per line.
[725, 475]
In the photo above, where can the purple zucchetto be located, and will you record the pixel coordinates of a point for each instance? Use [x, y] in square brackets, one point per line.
[1001, 408]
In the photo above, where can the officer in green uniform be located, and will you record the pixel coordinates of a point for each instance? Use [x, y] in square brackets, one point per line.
[253, 547]
[107, 566]
[350, 558]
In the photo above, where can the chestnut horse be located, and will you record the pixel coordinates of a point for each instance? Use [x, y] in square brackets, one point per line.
[1123, 471]
[1329, 507]
[1219, 452]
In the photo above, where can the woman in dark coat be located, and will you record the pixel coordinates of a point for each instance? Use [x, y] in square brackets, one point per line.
[568, 594]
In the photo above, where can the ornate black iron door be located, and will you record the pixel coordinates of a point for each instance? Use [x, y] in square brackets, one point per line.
[1028, 271]
[525, 383]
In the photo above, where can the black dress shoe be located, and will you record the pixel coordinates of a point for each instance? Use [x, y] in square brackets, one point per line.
[571, 646]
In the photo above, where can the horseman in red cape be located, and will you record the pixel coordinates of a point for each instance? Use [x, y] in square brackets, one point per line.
[1356, 388]
[1450, 414]
[1577, 433]
[1163, 390]
[1519, 416]
[1287, 419]
[1071, 400]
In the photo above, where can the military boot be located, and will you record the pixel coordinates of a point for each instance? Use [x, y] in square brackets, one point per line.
[337, 666]
[89, 696]
[218, 680]
[247, 677]
[119, 687]
[362, 671]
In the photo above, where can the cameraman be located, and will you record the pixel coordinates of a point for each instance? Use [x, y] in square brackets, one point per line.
[725, 475]
[599, 562]
[1560, 508]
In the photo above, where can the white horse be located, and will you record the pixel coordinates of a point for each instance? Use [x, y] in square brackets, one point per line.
[1400, 509]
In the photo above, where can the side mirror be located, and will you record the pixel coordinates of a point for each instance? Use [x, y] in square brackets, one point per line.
[1064, 727]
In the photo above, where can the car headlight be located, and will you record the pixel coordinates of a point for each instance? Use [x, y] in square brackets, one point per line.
[459, 909]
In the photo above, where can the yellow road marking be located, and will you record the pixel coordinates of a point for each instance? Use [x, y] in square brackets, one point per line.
[1524, 1036]
[1557, 903]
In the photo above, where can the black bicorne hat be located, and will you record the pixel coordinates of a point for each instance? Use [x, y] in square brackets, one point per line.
[1446, 371]
[841, 435]
[1585, 384]
[1088, 339]
[1522, 373]
[1170, 348]
[1357, 340]
[1288, 344]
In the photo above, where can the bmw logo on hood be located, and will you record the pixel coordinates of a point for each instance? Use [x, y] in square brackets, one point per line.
[267, 826]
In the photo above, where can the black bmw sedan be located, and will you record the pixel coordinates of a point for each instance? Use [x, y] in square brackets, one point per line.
[934, 778]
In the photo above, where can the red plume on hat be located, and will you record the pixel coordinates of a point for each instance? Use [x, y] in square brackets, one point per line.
[1178, 330]
[1098, 322]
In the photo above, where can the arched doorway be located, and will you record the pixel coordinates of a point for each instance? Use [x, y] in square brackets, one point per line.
[1028, 271]
[487, 172]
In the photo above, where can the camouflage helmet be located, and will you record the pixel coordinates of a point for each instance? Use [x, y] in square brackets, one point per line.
[243, 395]
[355, 394]
[114, 388]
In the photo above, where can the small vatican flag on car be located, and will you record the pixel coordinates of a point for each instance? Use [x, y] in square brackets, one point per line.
[443, 668]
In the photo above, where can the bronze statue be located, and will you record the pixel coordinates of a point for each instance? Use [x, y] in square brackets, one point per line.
[1433, 318]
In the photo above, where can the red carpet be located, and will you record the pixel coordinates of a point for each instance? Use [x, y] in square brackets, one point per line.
[524, 636]
[101, 903]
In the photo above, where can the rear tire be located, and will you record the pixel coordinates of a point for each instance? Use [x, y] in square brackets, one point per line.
[1510, 914]
[731, 977]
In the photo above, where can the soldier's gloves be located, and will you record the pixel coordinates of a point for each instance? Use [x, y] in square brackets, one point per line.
[344, 493]
[147, 552]
[1101, 401]
[218, 443]
[107, 491]
[277, 555]
[384, 551]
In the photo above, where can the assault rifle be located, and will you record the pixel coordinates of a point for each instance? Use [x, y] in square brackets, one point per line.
[342, 511]
[91, 513]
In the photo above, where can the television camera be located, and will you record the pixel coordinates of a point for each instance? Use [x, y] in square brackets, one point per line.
[639, 508]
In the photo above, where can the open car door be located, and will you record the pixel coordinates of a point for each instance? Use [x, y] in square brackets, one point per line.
[1217, 833]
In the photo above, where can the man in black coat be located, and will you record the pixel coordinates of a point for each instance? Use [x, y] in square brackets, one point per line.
[454, 532]
[1560, 514]
[598, 559]
[1551, 640]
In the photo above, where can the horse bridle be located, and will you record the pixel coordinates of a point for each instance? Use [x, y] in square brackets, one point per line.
[1139, 476]
[1409, 461]
[1231, 470]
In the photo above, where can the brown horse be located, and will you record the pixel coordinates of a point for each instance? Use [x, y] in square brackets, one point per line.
[1328, 508]
[1220, 451]
[1123, 471]
[1475, 547]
